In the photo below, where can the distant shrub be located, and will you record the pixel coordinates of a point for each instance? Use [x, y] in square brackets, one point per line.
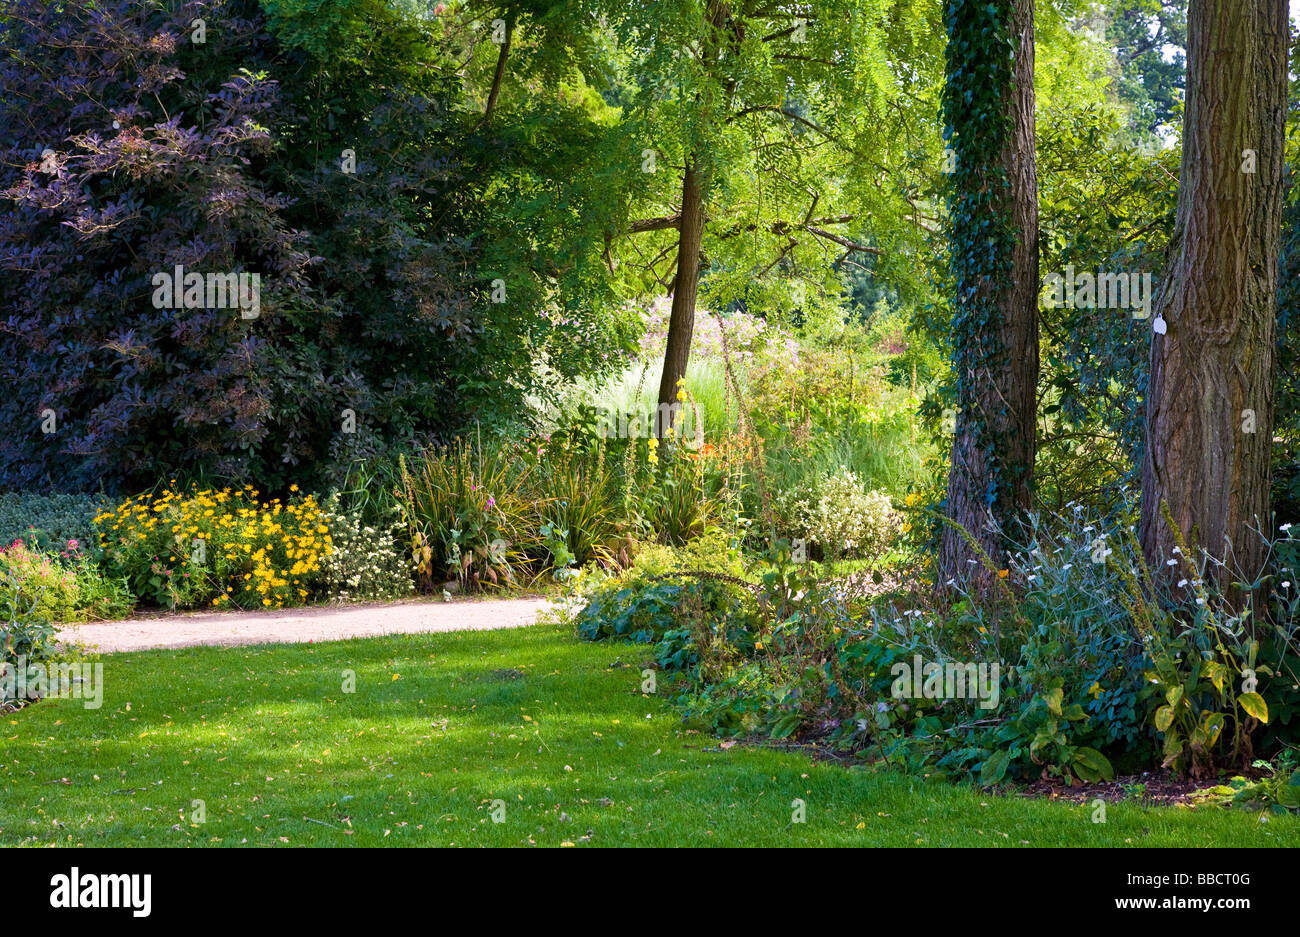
[834, 512]
[150, 151]
[365, 562]
[49, 521]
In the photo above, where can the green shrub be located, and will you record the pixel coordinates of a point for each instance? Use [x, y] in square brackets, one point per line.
[834, 512]
[471, 513]
[25, 632]
[364, 563]
[661, 589]
[49, 521]
[66, 587]
[182, 549]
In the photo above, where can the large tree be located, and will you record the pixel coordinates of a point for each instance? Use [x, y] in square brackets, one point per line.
[750, 113]
[989, 116]
[1209, 402]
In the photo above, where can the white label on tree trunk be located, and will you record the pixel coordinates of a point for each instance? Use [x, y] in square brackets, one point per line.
[1248, 161]
[1159, 325]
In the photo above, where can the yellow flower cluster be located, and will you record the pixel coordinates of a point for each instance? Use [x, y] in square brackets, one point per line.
[217, 547]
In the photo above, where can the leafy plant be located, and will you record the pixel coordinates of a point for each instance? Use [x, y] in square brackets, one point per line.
[1278, 790]
[471, 513]
[364, 562]
[67, 586]
[25, 633]
[181, 549]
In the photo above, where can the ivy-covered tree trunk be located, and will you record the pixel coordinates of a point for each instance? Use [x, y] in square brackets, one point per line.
[1209, 421]
[681, 321]
[993, 209]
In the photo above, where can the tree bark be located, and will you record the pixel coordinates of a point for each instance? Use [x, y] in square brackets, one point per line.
[1211, 373]
[500, 72]
[690, 230]
[1002, 398]
[681, 321]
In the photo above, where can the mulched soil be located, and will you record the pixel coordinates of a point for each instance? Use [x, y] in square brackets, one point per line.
[1155, 790]
[1147, 789]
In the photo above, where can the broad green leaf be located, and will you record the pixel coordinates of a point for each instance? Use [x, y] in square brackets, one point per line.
[1164, 718]
[1254, 704]
[1092, 765]
[995, 768]
[1053, 699]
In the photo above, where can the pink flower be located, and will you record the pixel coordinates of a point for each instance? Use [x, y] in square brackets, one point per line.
[72, 544]
[491, 501]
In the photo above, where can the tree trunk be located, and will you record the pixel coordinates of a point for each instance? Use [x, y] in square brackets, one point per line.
[690, 228]
[1209, 420]
[990, 479]
[500, 72]
[681, 322]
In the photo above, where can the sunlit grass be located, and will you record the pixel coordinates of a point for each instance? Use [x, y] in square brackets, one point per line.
[440, 726]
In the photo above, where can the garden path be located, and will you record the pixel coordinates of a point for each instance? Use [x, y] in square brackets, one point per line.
[298, 625]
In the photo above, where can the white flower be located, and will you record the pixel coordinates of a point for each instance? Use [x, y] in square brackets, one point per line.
[1200, 601]
[1171, 562]
[1286, 526]
[1066, 566]
[1177, 550]
[1286, 585]
[1181, 583]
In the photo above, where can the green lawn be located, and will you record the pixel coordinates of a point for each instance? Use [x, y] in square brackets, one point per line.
[441, 726]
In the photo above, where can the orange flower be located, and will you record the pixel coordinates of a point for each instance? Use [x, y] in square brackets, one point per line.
[1002, 573]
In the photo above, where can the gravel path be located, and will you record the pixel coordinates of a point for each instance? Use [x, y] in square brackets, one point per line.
[296, 625]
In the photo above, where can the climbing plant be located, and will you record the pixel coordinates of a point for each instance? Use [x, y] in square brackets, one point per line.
[992, 227]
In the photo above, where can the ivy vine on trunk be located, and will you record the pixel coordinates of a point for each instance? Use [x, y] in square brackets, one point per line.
[988, 108]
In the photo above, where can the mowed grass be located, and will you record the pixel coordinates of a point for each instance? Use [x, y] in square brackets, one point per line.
[441, 726]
